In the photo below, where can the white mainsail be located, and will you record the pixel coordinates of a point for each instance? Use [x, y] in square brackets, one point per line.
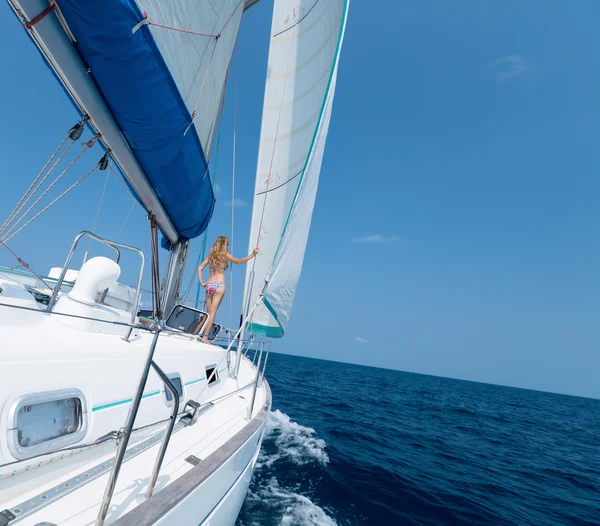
[306, 38]
[184, 31]
[149, 75]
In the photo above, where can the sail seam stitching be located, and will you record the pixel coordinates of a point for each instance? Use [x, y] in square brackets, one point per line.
[282, 184]
[297, 23]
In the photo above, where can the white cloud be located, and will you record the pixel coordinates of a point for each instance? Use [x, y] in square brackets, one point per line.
[511, 66]
[237, 202]
[375, 238]
[361, 340]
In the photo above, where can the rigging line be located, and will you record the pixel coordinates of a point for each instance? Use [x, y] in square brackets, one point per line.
[76, 183]
[180, 30]
[218, 119]
[27, 198]
[204, 237]
[100, 204]
[194, 274]
[126, 219]
[74, 134]
[241, 2]
[122, 183]
[202, 86]
[97, 215]
[87, 145]
[200, 255]
[18, 207]
[24, 264]
[188, 31]
[233, 190]
[209, 64]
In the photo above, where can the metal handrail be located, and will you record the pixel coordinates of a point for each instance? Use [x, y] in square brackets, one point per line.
[117, 259]
[115, 246]
[262, 378]
[126, 432]
[250, 409]
[168, 432]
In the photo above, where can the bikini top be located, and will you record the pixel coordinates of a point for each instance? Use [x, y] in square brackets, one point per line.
[214, 270]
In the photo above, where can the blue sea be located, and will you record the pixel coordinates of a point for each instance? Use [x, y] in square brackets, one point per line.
[349, 445]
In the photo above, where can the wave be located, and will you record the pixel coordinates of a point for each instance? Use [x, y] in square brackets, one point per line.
[294, 442]
[279, 494]
[292, 509]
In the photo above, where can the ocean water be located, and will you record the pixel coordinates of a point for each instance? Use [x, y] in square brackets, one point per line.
[358, 445]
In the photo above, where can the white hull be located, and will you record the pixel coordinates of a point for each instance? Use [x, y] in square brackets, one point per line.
[199, 508]
[45, 352]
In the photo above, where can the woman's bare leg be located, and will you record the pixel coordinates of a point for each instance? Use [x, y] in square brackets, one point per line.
[212, 308]
[208, 302]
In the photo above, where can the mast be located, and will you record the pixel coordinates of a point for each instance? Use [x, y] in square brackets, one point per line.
[177, 262]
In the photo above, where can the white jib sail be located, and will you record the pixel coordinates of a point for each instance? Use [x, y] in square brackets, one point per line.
[306, 38]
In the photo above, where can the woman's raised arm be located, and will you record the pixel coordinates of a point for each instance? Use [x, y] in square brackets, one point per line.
[239, 261]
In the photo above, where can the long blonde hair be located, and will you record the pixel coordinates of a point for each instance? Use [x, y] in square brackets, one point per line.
[216, 256]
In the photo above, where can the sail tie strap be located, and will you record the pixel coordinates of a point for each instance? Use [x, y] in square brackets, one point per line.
[41, 16]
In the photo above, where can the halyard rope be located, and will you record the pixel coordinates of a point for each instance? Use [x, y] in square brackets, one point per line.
[87, 145]
[75, 184]
[233, 192]
[74, 133]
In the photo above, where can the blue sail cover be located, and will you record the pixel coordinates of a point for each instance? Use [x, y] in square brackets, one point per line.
[141, 92]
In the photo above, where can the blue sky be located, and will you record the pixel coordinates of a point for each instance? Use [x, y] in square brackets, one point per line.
[457, 227]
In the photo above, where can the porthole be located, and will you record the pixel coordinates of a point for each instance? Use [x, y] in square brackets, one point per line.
[178, 383]
[43, 422]
[212, 374]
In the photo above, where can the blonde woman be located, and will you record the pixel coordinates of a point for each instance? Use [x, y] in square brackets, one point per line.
[217, 261]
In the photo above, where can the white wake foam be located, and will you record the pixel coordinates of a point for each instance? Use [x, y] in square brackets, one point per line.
[292, 508]
[296, 443]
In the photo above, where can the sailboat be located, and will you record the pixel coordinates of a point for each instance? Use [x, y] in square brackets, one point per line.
[109, 415]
